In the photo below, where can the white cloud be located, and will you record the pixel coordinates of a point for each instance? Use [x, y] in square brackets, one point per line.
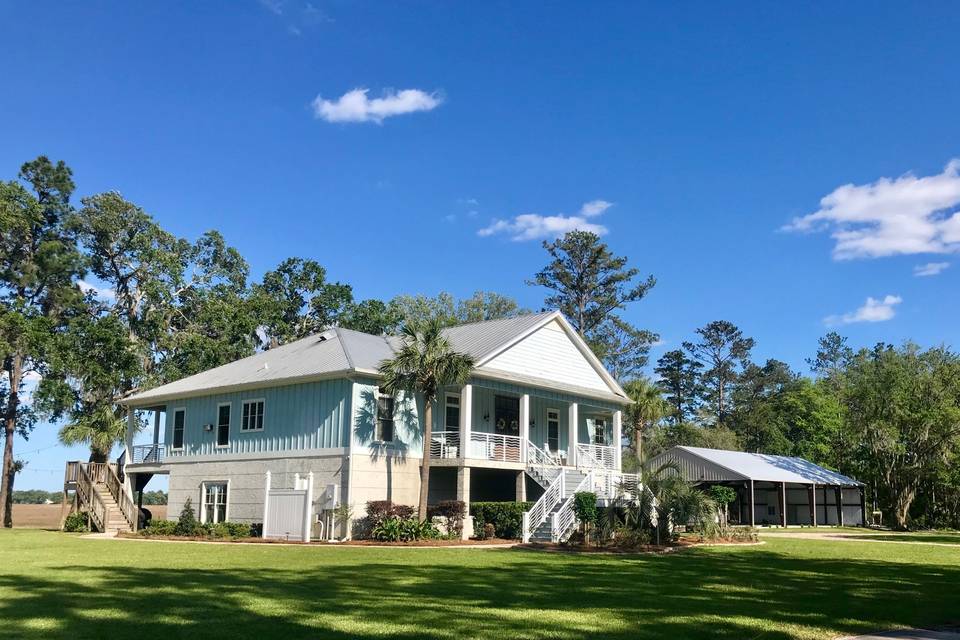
[930, 269]
[533, 226]
[104, 293]
[902, 216]
[355, 106]
[594, 208]
[273, 6]
[873, 310]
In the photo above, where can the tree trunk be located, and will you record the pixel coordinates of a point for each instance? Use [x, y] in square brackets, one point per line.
[14, 367]
[8, 498]
[638, 440]
[425, 465]
[901, 507]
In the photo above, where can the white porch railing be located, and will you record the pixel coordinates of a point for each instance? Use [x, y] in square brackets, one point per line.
[596, 456]
[445, 444]
[494, 446]
[610, 485]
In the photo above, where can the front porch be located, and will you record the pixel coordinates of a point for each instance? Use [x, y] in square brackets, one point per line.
[494, 425]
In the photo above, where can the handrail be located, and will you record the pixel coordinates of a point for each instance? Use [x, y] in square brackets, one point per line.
[95, 506]
[445, 444]
[564, 517]
[539, 457]
[538, 513]
[148, 453]
[495, 446]
[124, 501]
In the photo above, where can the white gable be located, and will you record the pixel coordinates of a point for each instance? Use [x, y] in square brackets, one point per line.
[549, 354]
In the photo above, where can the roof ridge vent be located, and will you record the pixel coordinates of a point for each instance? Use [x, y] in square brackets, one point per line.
[327, 335]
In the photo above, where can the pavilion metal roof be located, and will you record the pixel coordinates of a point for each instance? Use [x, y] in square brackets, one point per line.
[717, 465]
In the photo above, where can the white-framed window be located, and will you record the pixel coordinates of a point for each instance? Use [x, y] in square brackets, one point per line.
[179, 425]
[384, 428]
[223, 424]
[252, 417]
[214, 504]
[553, 430]
[452, 412]
[599, 431]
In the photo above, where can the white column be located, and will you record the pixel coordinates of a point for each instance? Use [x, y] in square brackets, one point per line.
[572, 430]
[128, 449]
[466, 418]
[266, 504]
[308, 516]
[524, 424]
[617, 438]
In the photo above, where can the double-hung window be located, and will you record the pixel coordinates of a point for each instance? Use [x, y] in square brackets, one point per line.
[252, 419]
[179, 424]
[223, 425]
[214, 502]
[384, 417]
[452, 413]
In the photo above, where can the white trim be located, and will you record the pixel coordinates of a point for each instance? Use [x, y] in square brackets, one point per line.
[216, 426]
[203, 500]
[376, 419]
[549, 385]
[556, 413]
[244, 403]
[173, 429]
[332, 452]
[446, 396]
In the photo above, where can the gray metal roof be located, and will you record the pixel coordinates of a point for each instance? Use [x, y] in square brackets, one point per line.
[738, 465]
[332, 352]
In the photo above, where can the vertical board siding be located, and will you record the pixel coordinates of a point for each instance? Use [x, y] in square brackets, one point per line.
[407, 434]
[295, 417]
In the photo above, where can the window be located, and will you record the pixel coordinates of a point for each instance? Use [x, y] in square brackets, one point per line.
[384, 418]
[214, 502]
[252, 415]
[553, 430]
[452, 416]
[599, 431]
[179, 421]
[223, 425]
[506, 415]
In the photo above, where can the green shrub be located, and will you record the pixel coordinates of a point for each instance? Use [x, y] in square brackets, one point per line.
[219, 530]
[377, 512]
[404, 530]
[76, 522]
[453, 512]
[506, 517]
[239, 529]
[160, 528]
[187, 524]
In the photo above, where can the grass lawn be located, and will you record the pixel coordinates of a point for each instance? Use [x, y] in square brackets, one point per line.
[56, 585]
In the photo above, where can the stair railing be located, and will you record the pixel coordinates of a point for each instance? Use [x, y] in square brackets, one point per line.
[124, 501]
[564, 517]
[89, 498]
[538, 513]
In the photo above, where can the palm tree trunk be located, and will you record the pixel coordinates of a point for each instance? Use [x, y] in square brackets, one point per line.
[425, 465]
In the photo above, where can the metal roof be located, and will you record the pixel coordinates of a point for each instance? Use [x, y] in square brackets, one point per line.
[339, 351]
[738, 465]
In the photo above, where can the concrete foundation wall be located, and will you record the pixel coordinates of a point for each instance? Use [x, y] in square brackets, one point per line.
[384, 477]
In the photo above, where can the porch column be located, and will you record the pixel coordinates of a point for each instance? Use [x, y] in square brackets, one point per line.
[753, 511]
[617, 439]
[783, 504]
[524, 424]
[463, 487]
[466, 424]
[572, 430]
[128, 450]
[521, 486]
[812, 499]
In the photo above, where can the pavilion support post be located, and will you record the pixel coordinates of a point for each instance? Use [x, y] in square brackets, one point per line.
[863, 507]
[783, 504]
[839, 491]
[812, 500]
[750, 503]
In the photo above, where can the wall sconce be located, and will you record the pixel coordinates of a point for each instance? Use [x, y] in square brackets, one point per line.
[486, 417]
[208, 427]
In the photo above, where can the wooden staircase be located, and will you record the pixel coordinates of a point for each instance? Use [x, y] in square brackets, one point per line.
[101, 495]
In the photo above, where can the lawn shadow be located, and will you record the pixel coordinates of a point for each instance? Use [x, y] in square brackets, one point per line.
[504, 593]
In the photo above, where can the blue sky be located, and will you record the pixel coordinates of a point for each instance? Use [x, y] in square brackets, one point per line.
[710, 128]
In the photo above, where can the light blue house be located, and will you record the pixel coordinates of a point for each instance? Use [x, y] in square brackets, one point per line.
[539, 419]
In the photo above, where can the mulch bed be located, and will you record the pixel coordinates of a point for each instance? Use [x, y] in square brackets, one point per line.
[647, 548]
[348, 543]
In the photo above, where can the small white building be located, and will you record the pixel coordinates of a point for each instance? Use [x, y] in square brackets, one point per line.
[772, 490]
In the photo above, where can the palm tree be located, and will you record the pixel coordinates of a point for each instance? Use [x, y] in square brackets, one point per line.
[100, 429]
[425, 364]
[648, 408]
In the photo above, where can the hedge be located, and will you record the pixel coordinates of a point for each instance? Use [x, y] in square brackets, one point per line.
[506, 517]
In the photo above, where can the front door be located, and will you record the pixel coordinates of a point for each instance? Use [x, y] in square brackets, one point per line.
[506, 415]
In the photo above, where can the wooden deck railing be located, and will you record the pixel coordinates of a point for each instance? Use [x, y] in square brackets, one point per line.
[124, 501]
[89, 497]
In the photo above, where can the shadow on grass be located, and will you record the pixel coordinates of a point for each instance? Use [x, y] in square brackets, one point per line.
[944, 538]
[507, 594]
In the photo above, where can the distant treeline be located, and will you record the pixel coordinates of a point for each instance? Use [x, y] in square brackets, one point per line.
[39, 496]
